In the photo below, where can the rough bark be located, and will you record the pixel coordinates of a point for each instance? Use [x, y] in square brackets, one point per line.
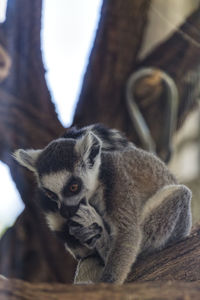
[104, 92]
[16, 289]
[115, 49]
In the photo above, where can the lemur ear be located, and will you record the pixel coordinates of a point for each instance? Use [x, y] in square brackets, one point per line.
[89, 147]
[27, 158]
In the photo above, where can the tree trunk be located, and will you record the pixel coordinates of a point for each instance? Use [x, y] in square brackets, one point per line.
[117, 44]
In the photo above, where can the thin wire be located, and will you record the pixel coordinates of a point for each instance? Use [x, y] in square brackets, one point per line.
[176, 28]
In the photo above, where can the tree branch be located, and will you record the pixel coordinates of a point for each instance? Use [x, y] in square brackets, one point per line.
[22, 34]
[157, 277]
[15, 289]
[115, 49]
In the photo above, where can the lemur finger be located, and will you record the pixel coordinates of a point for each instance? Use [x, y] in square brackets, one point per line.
[92, 230]
[88, 212]
[79, 220]
[88, 237]
[85, 234]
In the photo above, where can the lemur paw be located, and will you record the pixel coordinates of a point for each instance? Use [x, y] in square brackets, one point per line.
[87, 236]
[86, 225]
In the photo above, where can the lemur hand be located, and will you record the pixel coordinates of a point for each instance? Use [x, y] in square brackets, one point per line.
[86, 226]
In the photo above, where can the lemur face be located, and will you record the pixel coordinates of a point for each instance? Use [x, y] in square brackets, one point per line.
[66, 170]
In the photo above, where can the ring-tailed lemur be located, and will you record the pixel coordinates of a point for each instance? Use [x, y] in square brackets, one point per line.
[118, 203]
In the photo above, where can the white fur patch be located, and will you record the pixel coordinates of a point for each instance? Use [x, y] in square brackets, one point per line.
[55, 221]
[6, 64]
[27, 158]
[56, 181]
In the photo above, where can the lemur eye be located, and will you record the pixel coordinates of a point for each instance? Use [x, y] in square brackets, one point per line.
[50, 194]
[74, 187]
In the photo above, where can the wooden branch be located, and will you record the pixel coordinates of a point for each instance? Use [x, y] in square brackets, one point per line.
[116, 46]
[22, 34]
[27, 114]
[17, 289]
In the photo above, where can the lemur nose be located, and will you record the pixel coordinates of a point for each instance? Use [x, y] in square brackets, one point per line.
[68, 211]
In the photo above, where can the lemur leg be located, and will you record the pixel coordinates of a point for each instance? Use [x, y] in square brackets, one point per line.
[88, 227]
[89, 270]
[166, 217]
[122, 255]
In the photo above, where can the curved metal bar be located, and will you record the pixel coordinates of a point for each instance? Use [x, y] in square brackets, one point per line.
[138, 119]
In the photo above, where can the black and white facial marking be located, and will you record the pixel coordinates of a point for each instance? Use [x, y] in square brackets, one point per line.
[66, 170]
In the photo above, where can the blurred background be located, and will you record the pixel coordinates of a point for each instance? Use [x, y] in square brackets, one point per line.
[163, 34]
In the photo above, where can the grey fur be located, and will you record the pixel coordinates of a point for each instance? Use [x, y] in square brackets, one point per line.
[133, 205]
[149, 211]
